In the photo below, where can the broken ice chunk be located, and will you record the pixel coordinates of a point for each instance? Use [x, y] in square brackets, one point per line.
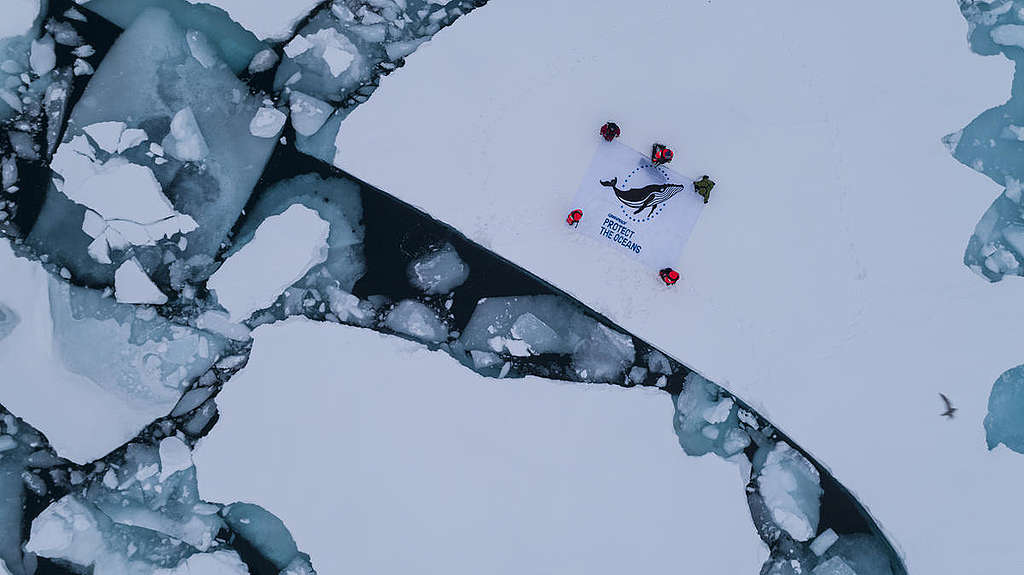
[338, 60]
[536, 334]
[120, 370]
[267, 123]
[438, 272]
[263, 60]
[822, 542]
[147, 77]
[175, 456]
[308, 113]
[130, 138]
[598, 353]
[66, 530]
[132, 285]
[790, 488]
[416, 320]
[338, 201]
[117, 189]
[298, 45]
[83, 68]
[281, 251]
[186, 142]
[42, 58]
[107, 135]
[637, 374]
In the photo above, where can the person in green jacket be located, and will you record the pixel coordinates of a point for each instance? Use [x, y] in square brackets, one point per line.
[703, 188]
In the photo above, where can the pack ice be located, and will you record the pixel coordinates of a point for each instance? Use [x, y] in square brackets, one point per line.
[114, 367]
[160, 171]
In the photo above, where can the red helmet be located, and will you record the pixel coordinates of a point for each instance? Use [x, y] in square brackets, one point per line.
[666, 154]
[669, 276]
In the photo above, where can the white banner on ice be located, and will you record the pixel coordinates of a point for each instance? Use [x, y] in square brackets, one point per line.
[637, 208]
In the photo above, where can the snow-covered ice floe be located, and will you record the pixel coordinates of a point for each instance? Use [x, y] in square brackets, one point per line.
[194, 140]
[824, 278]
[469, 474]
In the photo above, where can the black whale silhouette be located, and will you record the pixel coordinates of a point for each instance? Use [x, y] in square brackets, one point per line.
[648, 196]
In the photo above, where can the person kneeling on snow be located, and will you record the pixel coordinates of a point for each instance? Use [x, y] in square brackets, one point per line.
[703, 188]
[610, 131]
[660, 155]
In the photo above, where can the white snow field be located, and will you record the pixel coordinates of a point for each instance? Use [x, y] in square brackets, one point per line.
[824, 282]
[383, 457]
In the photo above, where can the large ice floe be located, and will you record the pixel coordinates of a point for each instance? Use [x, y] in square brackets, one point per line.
[175, 211]
[159, 171]
[992, 144]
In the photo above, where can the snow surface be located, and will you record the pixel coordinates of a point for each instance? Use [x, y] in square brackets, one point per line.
[282, 250]
[358, 440]
[824, 282]
[19, 15]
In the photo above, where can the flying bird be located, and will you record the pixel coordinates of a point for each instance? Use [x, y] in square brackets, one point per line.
[950, 410]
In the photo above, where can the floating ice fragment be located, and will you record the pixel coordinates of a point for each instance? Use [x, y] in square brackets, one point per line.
[338, 60]
[536, 334]
[106, 134]
[718, 412]
[83, 68]
[298, 45]
[175, 456]
[790, 488]
[186, 142]
[132, 285]
[281, 251]
[416, 320]
[822, 542]
[220, 324]
[267, 123]
[263, 60]
[308, 113]
[42, 57]
[130, 138]
[66, 530]
[438, 272]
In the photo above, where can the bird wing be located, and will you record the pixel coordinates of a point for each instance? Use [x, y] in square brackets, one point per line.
[949, 405]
